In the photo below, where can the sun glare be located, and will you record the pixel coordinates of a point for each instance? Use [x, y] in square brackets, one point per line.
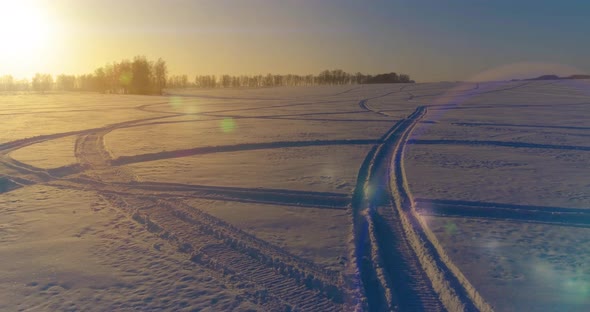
[25, 30]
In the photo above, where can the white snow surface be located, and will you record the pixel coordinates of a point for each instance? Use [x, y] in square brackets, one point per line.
[66, 244]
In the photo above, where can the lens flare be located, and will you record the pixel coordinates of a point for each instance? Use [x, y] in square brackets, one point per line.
[125, 78]
[502, 77]
[175, 102]
[228, 125]
[450, 228]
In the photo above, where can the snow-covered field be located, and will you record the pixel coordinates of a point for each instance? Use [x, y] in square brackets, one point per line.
[438, 196]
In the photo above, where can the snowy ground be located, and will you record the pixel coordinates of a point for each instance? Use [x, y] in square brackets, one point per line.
[243, 199]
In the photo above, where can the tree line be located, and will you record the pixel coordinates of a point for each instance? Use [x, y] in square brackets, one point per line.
[142, 76]
[137, 76]
[326, 77]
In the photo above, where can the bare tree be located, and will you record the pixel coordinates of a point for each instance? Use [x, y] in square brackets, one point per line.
[160, 75]
[141, 76]
[42, 82]
[100, 80]
[66, 82]
[7, 83]
[124, 73]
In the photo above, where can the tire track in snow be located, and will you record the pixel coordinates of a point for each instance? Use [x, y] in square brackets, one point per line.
[484, 124]
[326, 200]
[399, 261]
[30, 175]
[146, 108]
[8, 184]
[302, 118]
[363, 104]
[321, 200]
[445, 92]
[455, 292]
[389, 270]
[125, 160]
[575, 217]
[501, 144]
[20, 143]
[451, 106]
[34, 175]
[271, 276]
[93, 158]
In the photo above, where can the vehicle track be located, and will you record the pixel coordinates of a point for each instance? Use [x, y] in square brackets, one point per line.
[574, 217]
[399, 261]
[147, 108]
[455, 292]
[363, 104]
[124, 160]
[303, 118]
[400, 264]
[258, 195]
[8, 184]
[501, 144]
[289, 281]
[483, 124]
[391, 275]
[320, 200]
[33, 175]
[7, 147]
[445, 92]
[274, 278]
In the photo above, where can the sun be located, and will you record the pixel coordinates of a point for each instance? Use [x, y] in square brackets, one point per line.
[25, 30]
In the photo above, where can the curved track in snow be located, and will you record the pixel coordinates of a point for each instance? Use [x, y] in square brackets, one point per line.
[400, 266]
[400, 263]
[273, 277]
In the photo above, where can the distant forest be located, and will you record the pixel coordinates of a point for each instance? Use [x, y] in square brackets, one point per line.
[142, 76]
[555, 77]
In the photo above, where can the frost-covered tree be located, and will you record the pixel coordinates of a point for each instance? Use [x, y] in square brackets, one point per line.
[7, 83]
[160, 75]
[42, 82]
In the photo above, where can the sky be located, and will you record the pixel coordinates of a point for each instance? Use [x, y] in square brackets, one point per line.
[431, 40]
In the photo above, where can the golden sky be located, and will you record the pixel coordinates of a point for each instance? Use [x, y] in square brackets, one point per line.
[429, 39]
[194, 37]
